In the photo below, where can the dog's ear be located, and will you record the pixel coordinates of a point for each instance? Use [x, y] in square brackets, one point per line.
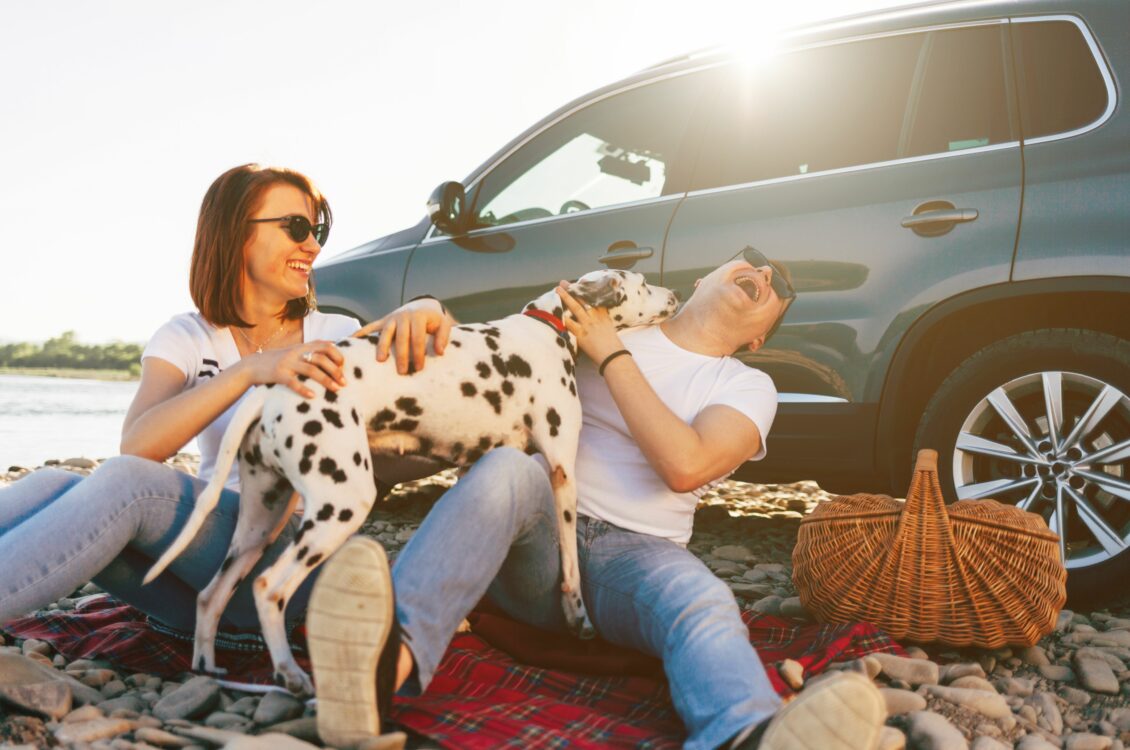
[605, 290]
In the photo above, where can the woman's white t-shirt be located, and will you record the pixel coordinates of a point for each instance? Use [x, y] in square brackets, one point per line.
[615, 483]
[202, 351]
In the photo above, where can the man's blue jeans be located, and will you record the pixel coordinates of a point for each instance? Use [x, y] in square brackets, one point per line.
[495, 533]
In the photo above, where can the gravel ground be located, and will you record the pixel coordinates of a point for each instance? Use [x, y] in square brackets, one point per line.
[1072, 690]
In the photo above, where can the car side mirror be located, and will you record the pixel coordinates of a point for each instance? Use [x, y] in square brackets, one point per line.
[447, 206]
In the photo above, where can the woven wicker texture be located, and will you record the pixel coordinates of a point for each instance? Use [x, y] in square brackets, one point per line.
[975, 573]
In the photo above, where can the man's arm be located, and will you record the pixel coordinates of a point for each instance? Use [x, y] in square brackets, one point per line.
[685, 456]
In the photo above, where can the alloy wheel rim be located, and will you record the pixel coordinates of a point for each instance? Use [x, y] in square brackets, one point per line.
[1058, 444]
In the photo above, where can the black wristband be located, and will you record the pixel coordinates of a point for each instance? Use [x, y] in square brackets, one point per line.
[609, 358]
[442, 306]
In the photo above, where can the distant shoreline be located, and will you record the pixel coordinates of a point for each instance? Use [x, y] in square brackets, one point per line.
[69, 372]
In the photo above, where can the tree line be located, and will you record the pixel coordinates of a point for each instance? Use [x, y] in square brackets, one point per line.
[65, 351]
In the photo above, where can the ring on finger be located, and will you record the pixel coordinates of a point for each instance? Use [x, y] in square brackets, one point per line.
[308, 357]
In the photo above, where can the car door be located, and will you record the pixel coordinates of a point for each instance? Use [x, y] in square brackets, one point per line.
[885, 173]
[594, 189]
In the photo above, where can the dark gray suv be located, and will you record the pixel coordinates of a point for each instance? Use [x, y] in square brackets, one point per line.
[948, 185]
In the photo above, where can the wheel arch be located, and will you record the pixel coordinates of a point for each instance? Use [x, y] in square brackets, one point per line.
[957, 328]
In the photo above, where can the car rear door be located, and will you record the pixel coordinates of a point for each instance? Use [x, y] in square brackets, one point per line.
[596, 188]
[885, 173]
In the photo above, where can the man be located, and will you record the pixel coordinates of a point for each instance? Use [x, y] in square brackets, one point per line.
[667, 411]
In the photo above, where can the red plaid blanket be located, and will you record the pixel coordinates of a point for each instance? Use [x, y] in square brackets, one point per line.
[480, 697]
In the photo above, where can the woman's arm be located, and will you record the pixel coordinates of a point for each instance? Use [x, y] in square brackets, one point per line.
[685, 456]
[163, 417]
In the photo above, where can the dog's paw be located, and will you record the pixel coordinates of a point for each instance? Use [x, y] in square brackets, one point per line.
[291, 677]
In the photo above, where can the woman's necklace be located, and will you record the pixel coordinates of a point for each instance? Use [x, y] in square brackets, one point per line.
[259, 347]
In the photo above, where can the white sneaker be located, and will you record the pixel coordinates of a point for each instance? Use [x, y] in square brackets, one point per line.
[842, 712]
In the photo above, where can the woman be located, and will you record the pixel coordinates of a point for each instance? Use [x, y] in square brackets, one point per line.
[259, 231]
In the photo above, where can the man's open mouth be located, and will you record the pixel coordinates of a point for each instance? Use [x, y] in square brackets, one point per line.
[749, 286]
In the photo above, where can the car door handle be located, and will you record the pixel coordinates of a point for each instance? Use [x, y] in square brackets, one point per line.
[624, 254]
[942, 216]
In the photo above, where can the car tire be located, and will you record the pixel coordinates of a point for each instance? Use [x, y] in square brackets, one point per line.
[990, 423]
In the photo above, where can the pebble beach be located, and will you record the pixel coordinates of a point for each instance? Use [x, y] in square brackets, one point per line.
[1071, 690]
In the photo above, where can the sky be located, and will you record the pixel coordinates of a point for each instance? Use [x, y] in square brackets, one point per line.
[117, 115]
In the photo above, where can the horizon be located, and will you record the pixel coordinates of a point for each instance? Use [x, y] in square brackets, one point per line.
[122, 115]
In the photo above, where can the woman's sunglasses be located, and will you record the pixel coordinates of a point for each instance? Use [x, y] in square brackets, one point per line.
[779, 281]
[299, 228]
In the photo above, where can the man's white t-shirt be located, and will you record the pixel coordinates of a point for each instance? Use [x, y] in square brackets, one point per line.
[615, 483]
[202, 351]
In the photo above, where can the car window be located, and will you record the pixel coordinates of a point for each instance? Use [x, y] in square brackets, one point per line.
[1061, 87]
[617, 150]
[961, 102]
[812, 110]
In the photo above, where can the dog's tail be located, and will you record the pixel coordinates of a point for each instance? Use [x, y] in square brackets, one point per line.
[247, 413]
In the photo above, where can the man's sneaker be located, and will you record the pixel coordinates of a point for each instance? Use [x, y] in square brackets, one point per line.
[842, 712]
[354, 642]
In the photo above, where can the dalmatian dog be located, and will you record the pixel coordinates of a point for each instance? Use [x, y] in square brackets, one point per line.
[508, 382]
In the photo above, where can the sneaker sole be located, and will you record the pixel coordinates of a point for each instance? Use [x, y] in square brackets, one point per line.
[348, 620]
[843, 712]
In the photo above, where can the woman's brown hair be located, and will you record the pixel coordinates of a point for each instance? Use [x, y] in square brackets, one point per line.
[216, 276]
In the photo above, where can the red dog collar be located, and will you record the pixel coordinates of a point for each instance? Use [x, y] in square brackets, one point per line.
[547, 318]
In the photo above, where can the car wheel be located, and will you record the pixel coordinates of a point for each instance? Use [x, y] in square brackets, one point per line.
[1041, 420]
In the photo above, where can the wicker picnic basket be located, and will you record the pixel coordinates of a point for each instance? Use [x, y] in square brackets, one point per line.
[975, 573]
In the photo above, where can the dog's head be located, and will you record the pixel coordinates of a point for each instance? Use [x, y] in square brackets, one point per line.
[629, 299]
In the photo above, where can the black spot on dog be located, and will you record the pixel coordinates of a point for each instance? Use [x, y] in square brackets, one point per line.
[312, 428]
[474, 455]
[456, 449]
[314, 560]
[366, 464]
[558, 311]
[507, 388]
[425, 446]
[303, 407]
[279, 491]
[332, 417]
[345, 343]
[405, 425]
[457, 344]
[327, 466]
[357, 372]
[278, 417]
[302, 552]
[409, 406]
[345, 515]
[562, 380]
[528, 420]
[499, 364]
[572, 388]
[568, 365]
[303, 378]
[617, 317]
[494, 399]
[560, 341]
[554, 421]
[492, 344]
[226, 563]
[468, 388]
[306, 526]
[356, 419]
[281, 603]
[411, 367]
[518, 366]
[483, 369]
[304, 466]
[309, 450]
[289, 441]
[484, 443]
[252, 425]
[326, 513]
[356, 459]
[331, 396]
[568, 517]
[380, 421]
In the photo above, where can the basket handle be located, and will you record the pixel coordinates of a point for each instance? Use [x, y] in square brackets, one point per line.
[925, 493]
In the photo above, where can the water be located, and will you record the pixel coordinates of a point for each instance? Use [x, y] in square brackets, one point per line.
[42, 418]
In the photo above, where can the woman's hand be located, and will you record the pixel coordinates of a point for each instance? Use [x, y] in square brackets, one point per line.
[319, 361]
[408, 328]
[596, 333]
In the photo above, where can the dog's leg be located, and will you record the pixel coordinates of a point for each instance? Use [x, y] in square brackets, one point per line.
[326, 524]
[266, 502]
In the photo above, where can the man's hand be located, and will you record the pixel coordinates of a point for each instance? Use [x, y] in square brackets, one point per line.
[596, 333]
[408, 328]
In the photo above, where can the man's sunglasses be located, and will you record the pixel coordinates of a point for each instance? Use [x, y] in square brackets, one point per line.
[779, 281]
[299, 228]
